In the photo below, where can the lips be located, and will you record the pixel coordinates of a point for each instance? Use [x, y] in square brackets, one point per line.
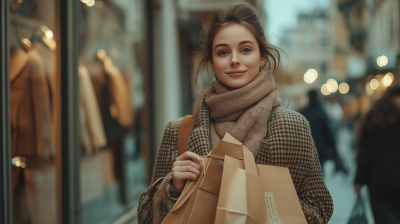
[236, 73]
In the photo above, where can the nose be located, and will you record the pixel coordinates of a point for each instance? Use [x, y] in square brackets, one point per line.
[235, 61]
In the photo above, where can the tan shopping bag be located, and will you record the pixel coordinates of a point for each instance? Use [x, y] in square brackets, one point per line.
[198, 201]
[253, 193]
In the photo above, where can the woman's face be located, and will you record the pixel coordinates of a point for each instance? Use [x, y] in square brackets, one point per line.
[236, 56]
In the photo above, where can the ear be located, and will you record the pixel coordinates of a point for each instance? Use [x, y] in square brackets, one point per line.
[263, 60]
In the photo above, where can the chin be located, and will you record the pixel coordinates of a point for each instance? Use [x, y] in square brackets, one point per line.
[236, 84]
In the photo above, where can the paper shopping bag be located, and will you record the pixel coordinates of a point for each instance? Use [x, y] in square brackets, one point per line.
[198, 201]
[180, 212]
[251, 193]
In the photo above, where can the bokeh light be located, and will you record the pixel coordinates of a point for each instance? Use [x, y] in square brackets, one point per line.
[387, 80]
[314, 72]
[368, 89]
[325, 90]
[309, 77]
[391, 75]
[90, 3]
[329, 88]
[333, 85]
[374, 84]
[384, 60]
[344, 88]
[378, 61]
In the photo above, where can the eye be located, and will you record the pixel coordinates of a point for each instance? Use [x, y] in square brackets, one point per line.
[223, 52]
[246, 50]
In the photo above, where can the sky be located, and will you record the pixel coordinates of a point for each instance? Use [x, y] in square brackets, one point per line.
[282, 14]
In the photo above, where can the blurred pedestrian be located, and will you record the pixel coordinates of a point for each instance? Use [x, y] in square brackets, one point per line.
[334, 111]
[378, 158]
[320, 129]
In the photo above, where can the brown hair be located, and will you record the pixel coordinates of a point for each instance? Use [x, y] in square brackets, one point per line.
[384, 112]
[235, 13]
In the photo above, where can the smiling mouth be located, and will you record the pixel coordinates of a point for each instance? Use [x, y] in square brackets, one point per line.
[236, 73]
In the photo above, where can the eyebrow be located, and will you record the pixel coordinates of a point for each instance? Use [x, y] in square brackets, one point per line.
[243, 42]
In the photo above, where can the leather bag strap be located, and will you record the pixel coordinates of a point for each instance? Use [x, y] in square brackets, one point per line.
[185, 129]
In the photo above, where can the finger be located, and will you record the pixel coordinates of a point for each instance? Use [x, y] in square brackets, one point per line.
[185, 176]
[186, 163]
[189, 155]
[186, 169]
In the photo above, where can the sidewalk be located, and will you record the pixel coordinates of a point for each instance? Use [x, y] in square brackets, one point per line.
[341, 186]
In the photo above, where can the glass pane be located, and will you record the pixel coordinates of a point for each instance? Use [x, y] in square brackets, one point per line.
[32, 93]
[114, 107]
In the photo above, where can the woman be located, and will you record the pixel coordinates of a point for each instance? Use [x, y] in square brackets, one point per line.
[243, 101]
[378, 159]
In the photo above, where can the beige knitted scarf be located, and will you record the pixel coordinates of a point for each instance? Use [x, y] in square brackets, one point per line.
[244, 112]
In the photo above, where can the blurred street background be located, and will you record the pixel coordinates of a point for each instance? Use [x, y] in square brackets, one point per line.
[129, 74]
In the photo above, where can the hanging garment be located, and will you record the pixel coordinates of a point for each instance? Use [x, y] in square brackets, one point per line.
[31, 119]
[48, 56]
[92, 122]
[120, 107]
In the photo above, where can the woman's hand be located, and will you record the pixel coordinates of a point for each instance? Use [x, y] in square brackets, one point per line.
[186, 166]
[357, 188]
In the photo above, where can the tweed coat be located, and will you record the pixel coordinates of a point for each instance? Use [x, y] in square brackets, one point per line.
[288, 144]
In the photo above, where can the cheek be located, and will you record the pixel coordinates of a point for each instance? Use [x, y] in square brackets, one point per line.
[252, 61]
[220, 64]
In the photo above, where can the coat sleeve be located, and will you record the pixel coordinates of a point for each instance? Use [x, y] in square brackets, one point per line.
[314, 196]
[155, 210]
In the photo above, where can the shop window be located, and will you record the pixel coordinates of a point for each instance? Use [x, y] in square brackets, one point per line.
[114, 108]
[33, 99]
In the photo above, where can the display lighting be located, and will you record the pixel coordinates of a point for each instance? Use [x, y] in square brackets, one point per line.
[27, 42]
[374, 84]
[19, 162]
[382, 60]
[344, 88]
[324, 90]
[387, 80]
[85, 1]
[333, 85]
[49, 34]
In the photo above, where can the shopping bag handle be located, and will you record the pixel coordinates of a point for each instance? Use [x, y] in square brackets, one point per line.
[234, 150]
[249, 161]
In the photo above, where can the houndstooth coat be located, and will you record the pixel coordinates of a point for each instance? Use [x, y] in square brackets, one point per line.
[288, 144]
